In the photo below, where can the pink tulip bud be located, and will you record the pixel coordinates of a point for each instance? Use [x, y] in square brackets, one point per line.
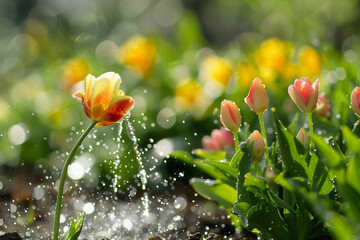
[304, 94]
[355, 100]
[223, 138]
[323, 107]
[303, 138]
[258, 147]
[230, 116]
[257, 98]
[209, 144]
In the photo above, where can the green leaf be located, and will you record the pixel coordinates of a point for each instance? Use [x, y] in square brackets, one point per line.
[205, 166]
[212, 155]
[351, 140]
[342, 228]
[266, 218]
[215, 190]
[294, 122]
[255, 181]
[353, 173]
[235, 161]
[222, 166]
[258, 186]
[74, 229]
[333, 158]
[240, 209]
[319, 176]
[294, 164]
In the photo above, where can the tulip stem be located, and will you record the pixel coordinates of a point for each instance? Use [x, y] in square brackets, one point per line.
[311, 129]
[256, 168]
[236, 140]
[62, 180]
[263, 133]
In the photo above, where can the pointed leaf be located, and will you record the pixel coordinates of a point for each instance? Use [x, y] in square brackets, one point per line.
[212, 155]
[214, 190]
[294, 164]
[268, 220]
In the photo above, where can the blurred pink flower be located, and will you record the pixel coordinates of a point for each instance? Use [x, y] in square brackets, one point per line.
[220, 139]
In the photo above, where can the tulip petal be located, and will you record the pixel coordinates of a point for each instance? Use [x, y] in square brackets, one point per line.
[103, 92]
[80, 95]
[304, 87]
[88, 89]
[257, 99]
[298, 99]
[355, 100]
[313, 96]
[117, 110]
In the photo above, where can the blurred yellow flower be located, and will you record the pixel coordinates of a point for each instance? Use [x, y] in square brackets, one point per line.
[309, 62]
[273, 53]
[139, 53]
[268, 76]
[289, 72]
[187, 92]
[217, 69]
[246, 72]
[190, 96]
[74, 70]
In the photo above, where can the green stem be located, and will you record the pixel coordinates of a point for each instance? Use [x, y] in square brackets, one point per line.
[263, 133]
[256, 165]
[311, 129]
[62, 180]
[236, 140]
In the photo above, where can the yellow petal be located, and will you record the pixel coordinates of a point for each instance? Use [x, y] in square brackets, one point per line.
[89, 80]
[103, 89]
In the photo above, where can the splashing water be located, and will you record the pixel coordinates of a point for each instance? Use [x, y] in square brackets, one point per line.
[142, 173]
[117, 159]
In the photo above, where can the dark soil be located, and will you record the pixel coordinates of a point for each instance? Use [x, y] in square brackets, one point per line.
[11, 236]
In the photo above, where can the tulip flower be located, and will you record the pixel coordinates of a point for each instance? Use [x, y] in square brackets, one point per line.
[223, 138]
[103, 101]
[258, 147]
[105, 104]
[304, 94]
[209, 144]
[230, 116]
[257, 98]
[323, 107]
[303, 138]
[220, 139]
[355, 100]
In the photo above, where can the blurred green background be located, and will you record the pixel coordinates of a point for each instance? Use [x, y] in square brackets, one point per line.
[178, 59]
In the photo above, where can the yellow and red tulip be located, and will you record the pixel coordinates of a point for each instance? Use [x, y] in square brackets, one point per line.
[304, 94]
[355, 100]
[258, 146]
[230, 116]
[257, 98]
[103, 100]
